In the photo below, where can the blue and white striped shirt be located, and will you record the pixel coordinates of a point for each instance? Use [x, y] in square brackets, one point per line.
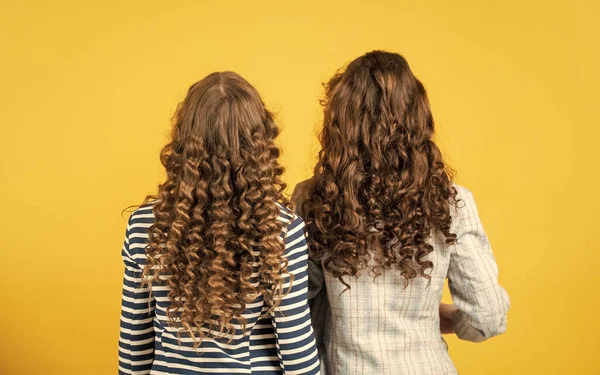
[281, 342]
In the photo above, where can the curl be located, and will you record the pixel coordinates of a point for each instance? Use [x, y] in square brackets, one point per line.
[216, 215]
[380, 185]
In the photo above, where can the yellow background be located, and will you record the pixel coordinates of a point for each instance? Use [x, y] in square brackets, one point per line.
[87, 90]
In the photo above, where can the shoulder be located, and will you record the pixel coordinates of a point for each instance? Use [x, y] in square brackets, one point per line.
[142, 215]
[137, 234]
[465, 212]
[464, 195]
[300, 194]
[466, 201]
[292, 232]
[285, 213]
[137, 227]
[290, 218]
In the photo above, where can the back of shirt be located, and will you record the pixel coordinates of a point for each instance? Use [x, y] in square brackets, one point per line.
[279, 342]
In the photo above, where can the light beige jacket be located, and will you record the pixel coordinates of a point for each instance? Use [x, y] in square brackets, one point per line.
[380, 327]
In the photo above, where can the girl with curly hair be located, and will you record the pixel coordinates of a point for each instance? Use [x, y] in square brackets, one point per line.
[387, 227]
[216, 264]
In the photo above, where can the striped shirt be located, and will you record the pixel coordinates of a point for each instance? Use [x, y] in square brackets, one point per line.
[281, 342]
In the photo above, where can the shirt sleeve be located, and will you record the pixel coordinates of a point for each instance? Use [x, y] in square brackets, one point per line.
[473, 278]
[296, 346]
[136, 341]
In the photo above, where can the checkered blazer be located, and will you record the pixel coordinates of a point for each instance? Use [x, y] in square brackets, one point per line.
[380, 327]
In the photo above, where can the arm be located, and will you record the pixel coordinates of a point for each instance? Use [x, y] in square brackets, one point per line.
[136, 341]
[296, 346]
[319, 306]
[317, 293]
[316, 282]
[481, 303]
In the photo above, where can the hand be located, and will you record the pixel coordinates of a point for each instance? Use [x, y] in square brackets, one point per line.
[447, 314]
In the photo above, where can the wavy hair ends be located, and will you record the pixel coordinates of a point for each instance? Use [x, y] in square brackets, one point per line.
[216, 214]
[380, 185]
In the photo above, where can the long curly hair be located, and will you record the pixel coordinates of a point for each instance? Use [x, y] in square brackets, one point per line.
[216, 215]
[380, 185]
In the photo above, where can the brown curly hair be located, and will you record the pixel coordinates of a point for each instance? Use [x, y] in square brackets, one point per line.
[216, 215]
[380, 185]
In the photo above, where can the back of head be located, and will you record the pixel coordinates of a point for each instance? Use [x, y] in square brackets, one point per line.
[216, 213]
[380, 185]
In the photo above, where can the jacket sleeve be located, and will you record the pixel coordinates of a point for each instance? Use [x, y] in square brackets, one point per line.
[473, 278]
